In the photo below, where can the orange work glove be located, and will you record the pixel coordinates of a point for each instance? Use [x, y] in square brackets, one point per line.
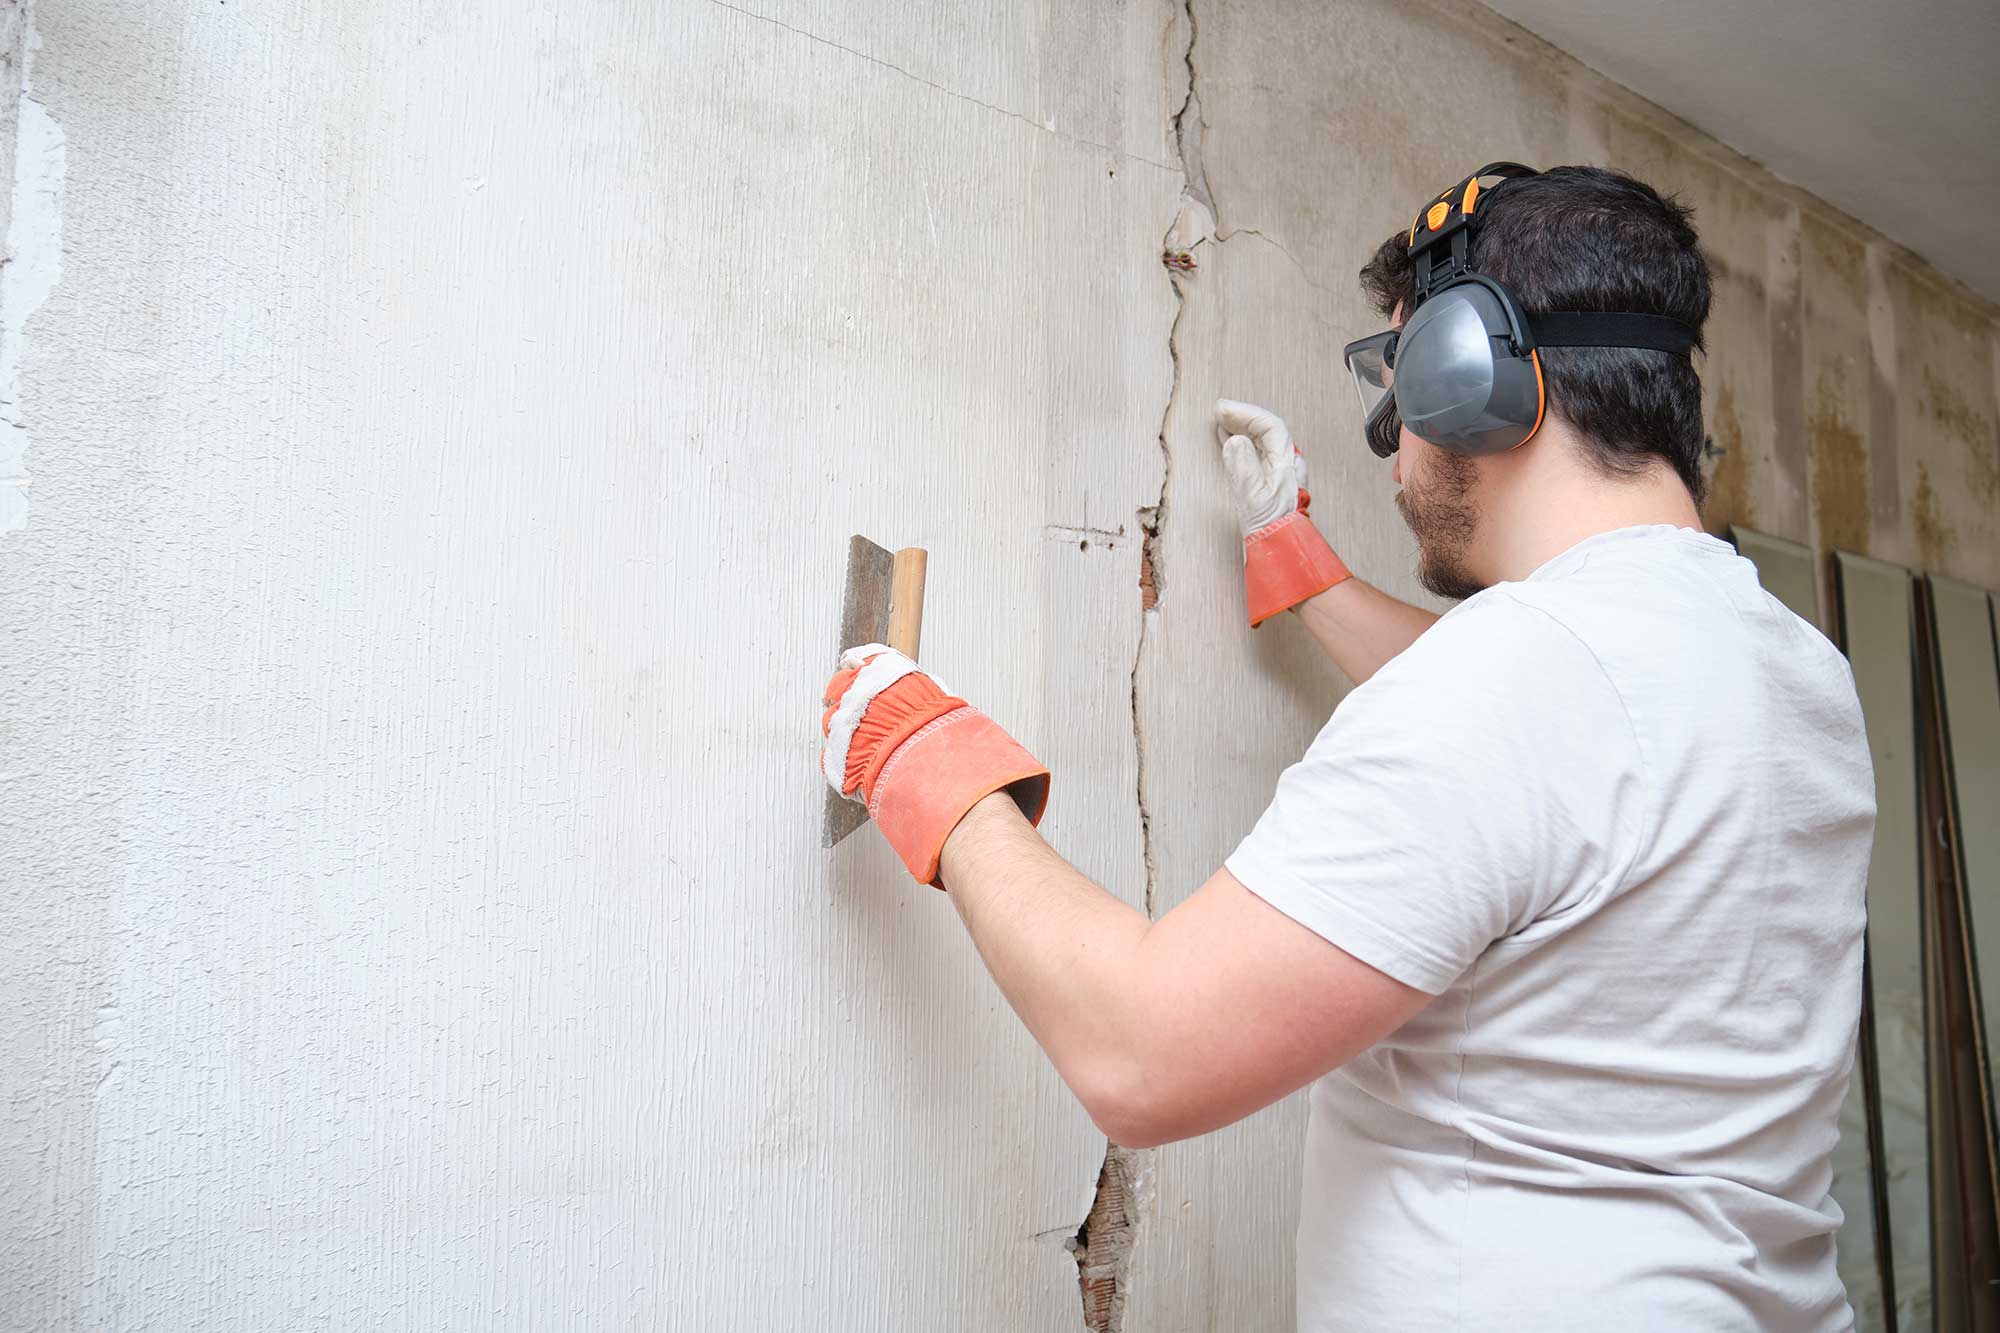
[917, 755]
[1285, 560]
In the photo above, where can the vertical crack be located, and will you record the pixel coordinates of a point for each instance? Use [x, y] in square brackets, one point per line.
[1152, 584]
[1103, 1244]
[1188, 125]
[1153, 517]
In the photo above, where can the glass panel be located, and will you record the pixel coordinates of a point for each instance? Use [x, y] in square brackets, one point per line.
[1875, 610]
[1785, 569]
[1968, 679]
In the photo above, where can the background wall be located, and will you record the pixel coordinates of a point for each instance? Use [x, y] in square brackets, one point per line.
[443, 425]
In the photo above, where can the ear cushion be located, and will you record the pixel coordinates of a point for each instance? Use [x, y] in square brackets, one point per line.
[1458, 382]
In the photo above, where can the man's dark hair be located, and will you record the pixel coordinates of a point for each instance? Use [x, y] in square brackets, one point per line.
[1588, 239]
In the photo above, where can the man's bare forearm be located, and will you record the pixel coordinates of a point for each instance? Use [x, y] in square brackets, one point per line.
[1361, 627]
[1063, 951]
[1168, 1028]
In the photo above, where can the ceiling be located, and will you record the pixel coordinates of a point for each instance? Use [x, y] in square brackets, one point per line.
[1890, 112]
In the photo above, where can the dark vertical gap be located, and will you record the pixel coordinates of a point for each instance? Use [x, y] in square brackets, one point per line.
[1974, 1191]
[1103, 1244]
[1934, 879]
[1871, 1080]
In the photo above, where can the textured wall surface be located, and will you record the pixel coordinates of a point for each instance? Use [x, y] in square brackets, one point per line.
[447, 431]
[443, 433]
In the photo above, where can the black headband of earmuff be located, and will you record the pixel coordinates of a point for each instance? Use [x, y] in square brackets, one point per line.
[1658, 333]
[1438, 243]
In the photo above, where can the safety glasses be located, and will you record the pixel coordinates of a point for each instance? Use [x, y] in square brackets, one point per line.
[1372, 362]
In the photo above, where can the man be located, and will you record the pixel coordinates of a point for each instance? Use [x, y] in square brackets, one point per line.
[1561, 913]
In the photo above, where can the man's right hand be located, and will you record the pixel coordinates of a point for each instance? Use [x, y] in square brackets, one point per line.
[917, 755]
[1285, 560]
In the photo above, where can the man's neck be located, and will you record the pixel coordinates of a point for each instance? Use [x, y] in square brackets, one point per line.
[1538, 505]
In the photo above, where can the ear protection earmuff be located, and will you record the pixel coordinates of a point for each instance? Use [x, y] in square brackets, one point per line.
[1465, 372]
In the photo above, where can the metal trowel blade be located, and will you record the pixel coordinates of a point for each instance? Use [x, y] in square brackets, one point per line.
[864, 618]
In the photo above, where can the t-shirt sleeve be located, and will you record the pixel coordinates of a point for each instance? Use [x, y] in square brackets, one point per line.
[1485, 778]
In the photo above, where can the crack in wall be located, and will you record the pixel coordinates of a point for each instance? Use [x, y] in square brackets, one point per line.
[1224, 234]
[953, 93]
[1104, 1243]
[1152, 584]
[1153, 517]
[1083, 534]
[1188, 125]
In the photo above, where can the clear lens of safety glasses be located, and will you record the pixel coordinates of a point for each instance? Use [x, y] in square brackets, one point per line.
[1369, 360]
[1372, 362]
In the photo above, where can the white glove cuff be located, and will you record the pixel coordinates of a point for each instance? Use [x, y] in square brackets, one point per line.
[886, 668]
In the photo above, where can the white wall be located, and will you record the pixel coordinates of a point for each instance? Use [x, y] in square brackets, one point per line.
[443, 438]
[446, 433]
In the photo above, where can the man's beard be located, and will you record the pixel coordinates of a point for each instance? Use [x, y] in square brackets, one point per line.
[1444, 519]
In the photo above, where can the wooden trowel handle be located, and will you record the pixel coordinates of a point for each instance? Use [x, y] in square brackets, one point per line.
[906, 600]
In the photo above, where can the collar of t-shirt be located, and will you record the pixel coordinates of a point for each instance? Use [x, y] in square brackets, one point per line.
[1573, 559]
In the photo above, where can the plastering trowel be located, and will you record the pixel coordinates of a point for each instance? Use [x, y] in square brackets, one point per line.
[883, 602]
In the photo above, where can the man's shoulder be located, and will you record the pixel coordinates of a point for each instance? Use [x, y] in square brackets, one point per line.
[1673, 613]
[1697, 651]
[1495, 660]
[1507, 622]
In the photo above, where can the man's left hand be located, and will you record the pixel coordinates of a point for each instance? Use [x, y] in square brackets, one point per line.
[1285, 560]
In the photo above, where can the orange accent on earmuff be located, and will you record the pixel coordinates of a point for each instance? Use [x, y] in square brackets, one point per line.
[1439, 212]
[1471, 196]
[1413, 231]
[1541, 398]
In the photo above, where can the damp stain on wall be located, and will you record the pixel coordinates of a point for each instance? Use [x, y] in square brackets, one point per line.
[1729, 479]
[1839, 475]
[1934, 536]
[1976, 433]
[1844, 262]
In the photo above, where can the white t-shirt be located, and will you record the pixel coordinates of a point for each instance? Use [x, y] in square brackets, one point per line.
[1616, 817]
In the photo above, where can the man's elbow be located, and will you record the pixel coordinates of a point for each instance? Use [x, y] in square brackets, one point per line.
[1135, 1108]
[1139, 1131]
